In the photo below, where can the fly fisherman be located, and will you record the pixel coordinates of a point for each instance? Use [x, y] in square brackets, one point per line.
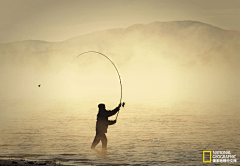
[102, 125]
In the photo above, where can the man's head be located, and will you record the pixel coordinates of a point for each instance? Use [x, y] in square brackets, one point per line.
[101, 106]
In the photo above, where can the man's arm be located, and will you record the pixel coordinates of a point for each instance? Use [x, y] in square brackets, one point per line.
[111, 113]
[111, 122]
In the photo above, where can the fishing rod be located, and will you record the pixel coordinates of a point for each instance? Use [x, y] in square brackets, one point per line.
[120, 81]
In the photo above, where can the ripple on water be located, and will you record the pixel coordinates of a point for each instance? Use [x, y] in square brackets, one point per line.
[161, 135]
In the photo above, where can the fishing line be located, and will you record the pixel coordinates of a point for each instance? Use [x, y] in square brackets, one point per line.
[105, 57]
[52, 75]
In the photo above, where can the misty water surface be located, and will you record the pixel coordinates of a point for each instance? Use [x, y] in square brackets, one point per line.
[166, 133]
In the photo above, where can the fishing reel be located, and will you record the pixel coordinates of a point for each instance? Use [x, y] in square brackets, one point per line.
[123, 104]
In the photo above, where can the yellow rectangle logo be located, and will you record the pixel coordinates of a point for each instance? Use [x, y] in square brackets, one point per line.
[207, 156]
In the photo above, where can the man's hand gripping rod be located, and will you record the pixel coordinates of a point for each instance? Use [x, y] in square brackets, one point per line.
[123, 104]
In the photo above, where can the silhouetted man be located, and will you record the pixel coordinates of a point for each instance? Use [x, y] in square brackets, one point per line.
[102, 125]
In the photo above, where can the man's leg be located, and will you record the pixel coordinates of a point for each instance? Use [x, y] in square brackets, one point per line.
[95, 141]
[104, 141]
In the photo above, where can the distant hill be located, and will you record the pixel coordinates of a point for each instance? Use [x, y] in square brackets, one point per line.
[151, 50]
[178, 39]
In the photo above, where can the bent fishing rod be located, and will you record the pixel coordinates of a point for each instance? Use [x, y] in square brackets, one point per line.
[122, 104]
[120, 81]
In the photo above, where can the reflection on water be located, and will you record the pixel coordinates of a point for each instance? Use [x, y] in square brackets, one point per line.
[167, 133]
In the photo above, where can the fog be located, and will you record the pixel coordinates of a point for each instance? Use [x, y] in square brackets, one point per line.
[181, 60]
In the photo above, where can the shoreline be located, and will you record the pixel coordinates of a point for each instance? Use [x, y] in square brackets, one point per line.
[23, 162]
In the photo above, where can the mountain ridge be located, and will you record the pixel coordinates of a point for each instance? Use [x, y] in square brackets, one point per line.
[186, 23]
[172, 40]
[156, 60]
[183, 22]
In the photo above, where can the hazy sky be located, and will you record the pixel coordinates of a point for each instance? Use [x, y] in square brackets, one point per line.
[58, 20]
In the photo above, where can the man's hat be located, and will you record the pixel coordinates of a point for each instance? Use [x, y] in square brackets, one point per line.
[101, 105]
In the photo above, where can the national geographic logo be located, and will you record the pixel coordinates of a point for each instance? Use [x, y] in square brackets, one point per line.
[219, 157]
[207, 156]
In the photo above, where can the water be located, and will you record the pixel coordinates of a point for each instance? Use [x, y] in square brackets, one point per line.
[163, 133]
